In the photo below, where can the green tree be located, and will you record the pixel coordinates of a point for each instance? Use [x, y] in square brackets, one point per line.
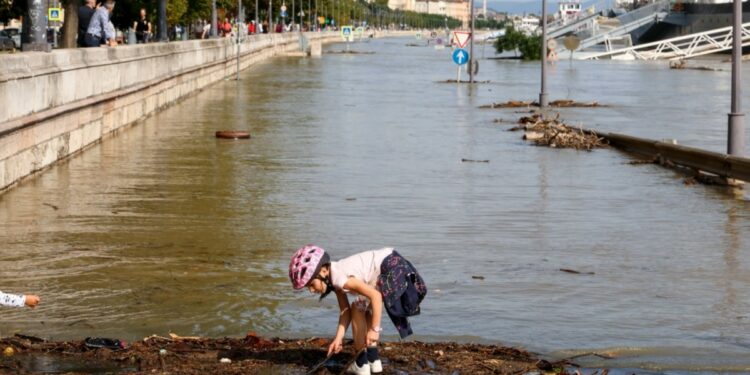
[516, 41]
[10, 9]
[531, 47]
[175, 10]
[510, 41]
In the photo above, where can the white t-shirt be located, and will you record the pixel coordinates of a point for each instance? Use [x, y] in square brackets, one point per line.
[364, 266]
[14, 300]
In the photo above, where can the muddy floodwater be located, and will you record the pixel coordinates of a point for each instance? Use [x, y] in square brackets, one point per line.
[165, 228]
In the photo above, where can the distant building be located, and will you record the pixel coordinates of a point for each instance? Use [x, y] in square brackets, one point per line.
[568, 10]
[497, 16]
[458, 9]
[528, 25]
[400, 4]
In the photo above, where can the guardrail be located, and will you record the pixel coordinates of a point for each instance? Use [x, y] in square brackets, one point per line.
[722, 165]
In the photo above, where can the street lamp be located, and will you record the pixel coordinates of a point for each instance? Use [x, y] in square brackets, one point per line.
[33, 34]
[471, 47]
[543, 93]
[736, 137]
[214, 21]
[163, 21]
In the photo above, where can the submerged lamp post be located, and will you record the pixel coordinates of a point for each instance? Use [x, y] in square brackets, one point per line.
[543, 93]
[736, 138]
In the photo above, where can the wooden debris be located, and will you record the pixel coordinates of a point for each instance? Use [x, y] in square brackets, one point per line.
[644, 161]
[174, 336]
[682, 65]
[351, 52]
[474, 161]
[257, 355]
[568, 270]
[533, 136]
[553, 133]
[461, 81]
[508, 104]
[563, 103]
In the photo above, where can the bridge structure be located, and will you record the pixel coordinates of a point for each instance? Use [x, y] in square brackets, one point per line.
[679, 48]
[628, 22]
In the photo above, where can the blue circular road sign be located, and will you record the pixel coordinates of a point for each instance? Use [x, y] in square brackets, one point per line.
[460, 56]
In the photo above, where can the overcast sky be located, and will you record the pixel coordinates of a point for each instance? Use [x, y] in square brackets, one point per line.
[528, 6]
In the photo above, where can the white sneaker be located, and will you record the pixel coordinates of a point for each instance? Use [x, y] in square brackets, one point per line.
[356, 370]
[376, 367]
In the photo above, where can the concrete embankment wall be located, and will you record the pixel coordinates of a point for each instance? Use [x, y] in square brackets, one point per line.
[53, 105]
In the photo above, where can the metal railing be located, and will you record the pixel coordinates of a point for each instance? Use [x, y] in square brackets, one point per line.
[683, 47]
[573, 26]
[722, 165]
[620, 31]
[644, 11]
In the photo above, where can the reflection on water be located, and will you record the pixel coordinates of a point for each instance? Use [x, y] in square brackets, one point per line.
[165, 228]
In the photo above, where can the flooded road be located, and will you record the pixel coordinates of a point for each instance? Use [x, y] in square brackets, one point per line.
[165, 228]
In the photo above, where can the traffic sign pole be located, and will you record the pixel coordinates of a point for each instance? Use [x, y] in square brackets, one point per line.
[460, 57]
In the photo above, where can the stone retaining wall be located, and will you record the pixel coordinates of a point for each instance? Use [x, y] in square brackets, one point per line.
[53, 105]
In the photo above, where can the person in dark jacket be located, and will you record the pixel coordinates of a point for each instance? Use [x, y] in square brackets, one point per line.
[142, 28]
[84, 19]
[376, 278]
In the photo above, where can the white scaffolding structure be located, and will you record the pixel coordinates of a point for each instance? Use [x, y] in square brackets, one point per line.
[682, 47]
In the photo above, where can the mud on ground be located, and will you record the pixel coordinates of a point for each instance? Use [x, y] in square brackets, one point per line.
[257, 355]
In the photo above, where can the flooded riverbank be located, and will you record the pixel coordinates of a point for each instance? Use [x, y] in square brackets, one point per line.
[165, 228]
[256, 355]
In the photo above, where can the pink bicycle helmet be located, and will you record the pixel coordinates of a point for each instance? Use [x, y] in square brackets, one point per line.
[305, 264]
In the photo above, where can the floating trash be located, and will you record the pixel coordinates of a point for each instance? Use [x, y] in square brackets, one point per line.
[232, 134]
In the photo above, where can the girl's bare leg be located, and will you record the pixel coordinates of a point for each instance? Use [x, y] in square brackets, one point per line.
[359, 328]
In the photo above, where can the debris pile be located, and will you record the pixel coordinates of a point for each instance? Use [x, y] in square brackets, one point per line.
[682, 64]
[254, 354]
[564, 103]
[553, 133]
[460, 81]
[349, 52]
